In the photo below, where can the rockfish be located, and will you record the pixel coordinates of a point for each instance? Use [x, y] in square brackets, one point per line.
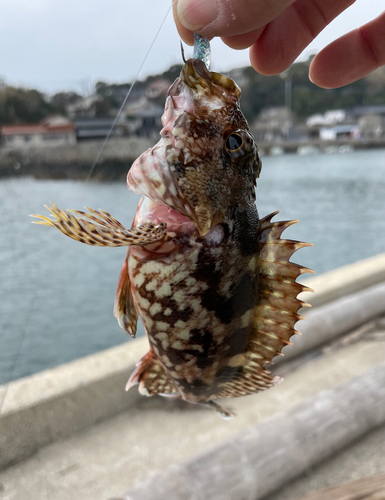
[211, 281]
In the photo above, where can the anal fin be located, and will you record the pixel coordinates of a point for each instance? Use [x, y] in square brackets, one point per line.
[151, 377]
[251, 379]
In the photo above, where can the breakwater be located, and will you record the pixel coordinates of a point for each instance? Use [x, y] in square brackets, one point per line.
[74, 161]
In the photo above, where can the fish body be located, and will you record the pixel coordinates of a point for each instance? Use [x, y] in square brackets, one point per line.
[200, 293]
[211, 281]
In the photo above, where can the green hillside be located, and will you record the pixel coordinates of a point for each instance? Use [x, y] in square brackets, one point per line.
[19, 105]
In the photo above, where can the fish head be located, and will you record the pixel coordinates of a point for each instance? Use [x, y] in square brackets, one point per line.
[206, 162]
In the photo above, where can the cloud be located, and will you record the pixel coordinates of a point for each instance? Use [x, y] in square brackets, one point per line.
[55, 45]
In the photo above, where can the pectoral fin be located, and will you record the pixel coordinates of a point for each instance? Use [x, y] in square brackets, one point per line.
[99, 228]
[124, 308]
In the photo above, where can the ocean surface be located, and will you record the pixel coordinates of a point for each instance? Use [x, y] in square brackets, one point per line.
[57, 295]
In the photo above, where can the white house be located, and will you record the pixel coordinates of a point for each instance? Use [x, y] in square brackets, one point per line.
[339, 132]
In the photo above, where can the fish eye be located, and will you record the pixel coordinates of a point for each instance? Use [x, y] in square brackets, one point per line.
[234, 142]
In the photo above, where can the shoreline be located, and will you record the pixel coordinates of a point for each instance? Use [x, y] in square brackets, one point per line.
[75, 162]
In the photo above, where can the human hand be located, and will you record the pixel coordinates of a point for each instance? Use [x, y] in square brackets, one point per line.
[277, 31]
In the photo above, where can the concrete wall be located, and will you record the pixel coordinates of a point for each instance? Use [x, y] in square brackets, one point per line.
[56, 403]
[344, 280]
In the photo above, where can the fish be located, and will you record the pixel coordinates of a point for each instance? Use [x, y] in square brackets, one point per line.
[212, 282]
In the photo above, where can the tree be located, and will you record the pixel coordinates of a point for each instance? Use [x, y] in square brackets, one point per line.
[19, 105]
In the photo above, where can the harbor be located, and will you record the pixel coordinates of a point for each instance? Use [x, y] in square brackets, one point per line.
[217, 330]
[67, 424]
[68, 289]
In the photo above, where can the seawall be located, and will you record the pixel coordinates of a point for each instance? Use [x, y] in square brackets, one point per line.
[74, 161]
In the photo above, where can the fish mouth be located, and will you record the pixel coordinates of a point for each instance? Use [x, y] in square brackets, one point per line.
[151, 177]
[154, 176]
[156, 213]
[199, 79]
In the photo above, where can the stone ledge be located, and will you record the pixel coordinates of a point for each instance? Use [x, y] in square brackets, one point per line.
[117, 454]
[344, 280]
[55, 403]
[268, 455]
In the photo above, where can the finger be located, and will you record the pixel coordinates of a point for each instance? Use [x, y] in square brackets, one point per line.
[185, 34]
[240, 42]
[225, 18]
[351, 57]
[287, 36]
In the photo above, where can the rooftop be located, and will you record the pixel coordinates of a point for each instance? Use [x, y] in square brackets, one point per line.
[50, 125]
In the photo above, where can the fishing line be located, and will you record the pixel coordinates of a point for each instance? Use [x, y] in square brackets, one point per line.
[128, 95]
[88, 178]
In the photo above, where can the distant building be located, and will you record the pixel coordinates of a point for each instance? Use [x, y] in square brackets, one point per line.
[98, 128]
[143, 118]
[277, 124]
[331, 117]
[371, 121]
[316, 121]
[53, 131]
[359, 111]
[333, 125]
[339, 132]
[84, 107]
[335, 116]
[372, 126]
[148, 122]
[118, 93]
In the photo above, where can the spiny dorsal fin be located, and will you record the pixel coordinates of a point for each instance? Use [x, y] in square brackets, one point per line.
[276, 312]
[151, 377]
[99, 228]
[124, 307]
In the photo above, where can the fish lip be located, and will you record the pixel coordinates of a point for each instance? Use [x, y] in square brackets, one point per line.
[195, 73]
[157, 212]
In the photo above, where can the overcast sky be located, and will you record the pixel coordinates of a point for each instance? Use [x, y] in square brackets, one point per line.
[56, 45]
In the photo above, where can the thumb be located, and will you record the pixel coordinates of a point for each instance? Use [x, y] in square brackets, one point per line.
[228, 17]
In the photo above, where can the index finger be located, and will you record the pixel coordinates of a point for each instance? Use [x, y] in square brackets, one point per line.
[223, 18]
[351, 56]
[286, 37]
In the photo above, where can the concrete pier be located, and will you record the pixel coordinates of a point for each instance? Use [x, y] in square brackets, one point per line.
[74, 426]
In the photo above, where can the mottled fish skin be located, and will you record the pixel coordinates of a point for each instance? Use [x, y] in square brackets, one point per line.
[211, 281]
[196, 303]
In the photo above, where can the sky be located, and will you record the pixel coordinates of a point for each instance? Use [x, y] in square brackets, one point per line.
[57, 45]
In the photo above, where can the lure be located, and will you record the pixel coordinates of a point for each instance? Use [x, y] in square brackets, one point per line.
[211, 281]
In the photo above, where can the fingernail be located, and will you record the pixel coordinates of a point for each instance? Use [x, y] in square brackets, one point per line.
[197, 14]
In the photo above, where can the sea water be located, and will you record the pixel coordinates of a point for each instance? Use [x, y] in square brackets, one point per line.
[57, 295]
